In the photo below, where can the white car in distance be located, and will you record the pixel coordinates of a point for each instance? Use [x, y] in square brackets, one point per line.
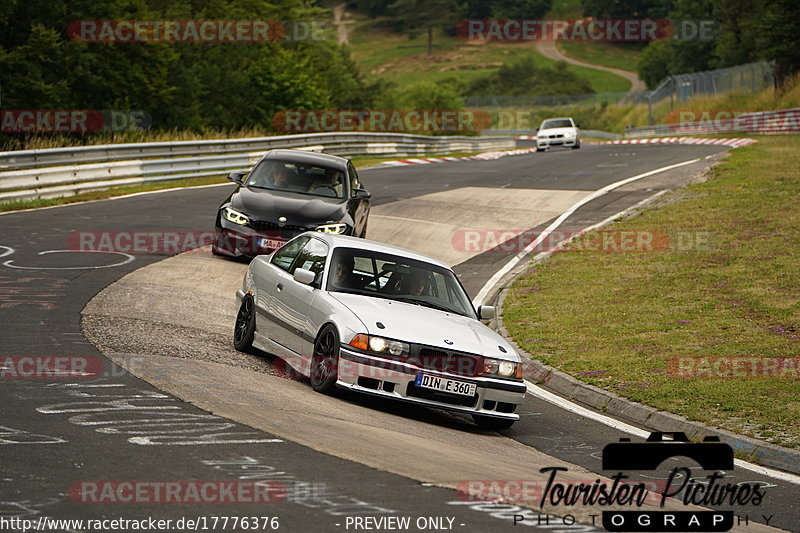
[558, 132]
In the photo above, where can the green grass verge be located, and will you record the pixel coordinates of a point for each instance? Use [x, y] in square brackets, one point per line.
[404, 61]
[614, 55]
[616, 319]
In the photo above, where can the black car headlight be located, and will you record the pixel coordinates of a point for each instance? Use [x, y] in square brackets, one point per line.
[379, 345]
[501, 368]
[336, 229]
[232, 215]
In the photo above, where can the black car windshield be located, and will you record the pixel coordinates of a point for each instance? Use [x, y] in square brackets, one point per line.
[384, 275]
[556, 123]
[297, 177]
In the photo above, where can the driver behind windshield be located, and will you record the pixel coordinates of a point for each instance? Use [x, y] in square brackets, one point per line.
[343, 275]
[272, 175]
[328, 185]
[414, 283]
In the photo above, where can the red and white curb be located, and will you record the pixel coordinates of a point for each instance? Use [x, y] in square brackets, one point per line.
[734, 142]
[486, 156]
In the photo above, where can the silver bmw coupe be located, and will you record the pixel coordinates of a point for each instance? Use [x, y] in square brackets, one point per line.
[380, 320]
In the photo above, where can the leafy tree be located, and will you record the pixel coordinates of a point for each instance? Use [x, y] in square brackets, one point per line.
[626, 9]
[777, 37]
[415, 16]
[524, 78]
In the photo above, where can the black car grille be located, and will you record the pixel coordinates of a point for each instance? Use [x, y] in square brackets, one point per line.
[263, 225]
[460, 364]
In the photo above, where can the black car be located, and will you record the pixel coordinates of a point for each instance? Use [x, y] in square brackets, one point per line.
[287, 193]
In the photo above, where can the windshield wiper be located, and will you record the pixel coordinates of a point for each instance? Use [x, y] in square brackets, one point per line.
[426, 303]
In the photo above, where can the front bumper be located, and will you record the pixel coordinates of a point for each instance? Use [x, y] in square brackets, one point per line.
[395, 379]
[245, 242]
[551, 143]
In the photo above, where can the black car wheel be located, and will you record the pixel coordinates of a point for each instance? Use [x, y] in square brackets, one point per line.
[325, 361]
[244, 330]
[490, 422]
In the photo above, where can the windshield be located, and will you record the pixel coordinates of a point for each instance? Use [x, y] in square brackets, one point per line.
[297, 177]
[384, 275]
[556, 123]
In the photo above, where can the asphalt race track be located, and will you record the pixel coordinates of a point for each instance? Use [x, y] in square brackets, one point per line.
[62, 437]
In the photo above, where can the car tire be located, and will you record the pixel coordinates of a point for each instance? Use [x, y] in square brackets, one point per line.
[540, 149]
[244, 330]
[576, 146]
[325, 360]
[493, 423]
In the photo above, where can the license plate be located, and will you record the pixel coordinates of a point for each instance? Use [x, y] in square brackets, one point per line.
[445, 385]
[272, 244]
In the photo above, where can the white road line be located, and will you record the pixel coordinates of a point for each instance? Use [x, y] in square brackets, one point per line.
[490, 284]
[637, 432]
[131, 195]
[584, 411]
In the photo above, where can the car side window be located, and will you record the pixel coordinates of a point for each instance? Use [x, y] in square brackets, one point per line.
[284, 257]
[354, 181]
[312, 258]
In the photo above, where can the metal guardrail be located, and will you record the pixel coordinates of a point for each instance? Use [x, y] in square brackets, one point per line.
[784, 121]
[55, 172]
[598, 134]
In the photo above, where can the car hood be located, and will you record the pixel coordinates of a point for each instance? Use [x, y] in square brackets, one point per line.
[423, 325]
[265, 204]
[557, 131]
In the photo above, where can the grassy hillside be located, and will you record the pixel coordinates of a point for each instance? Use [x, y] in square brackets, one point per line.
[396, 58]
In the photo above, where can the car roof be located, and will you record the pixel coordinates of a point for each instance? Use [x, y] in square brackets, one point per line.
[345, 241]
[313, 158]
[558, 118]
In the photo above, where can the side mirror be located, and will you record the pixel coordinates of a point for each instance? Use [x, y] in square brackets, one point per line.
[486, 312]
[536, 130]
[306, 277]
[236, 177]
[577, 125]
[360, 194]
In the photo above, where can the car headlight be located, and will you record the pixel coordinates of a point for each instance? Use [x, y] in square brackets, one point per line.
[235, 216]
[379, 345]
[337, 229]
[501, 368]
[570, 134]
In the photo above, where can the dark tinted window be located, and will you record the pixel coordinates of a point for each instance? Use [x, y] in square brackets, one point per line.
[384, 275]
[297, 177]
[354, 181]
[284, 257]
[312, 258]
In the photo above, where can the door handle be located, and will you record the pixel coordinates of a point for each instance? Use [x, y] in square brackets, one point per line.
[280, 286]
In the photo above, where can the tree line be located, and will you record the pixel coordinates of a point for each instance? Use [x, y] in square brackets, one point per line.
[746, 31]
